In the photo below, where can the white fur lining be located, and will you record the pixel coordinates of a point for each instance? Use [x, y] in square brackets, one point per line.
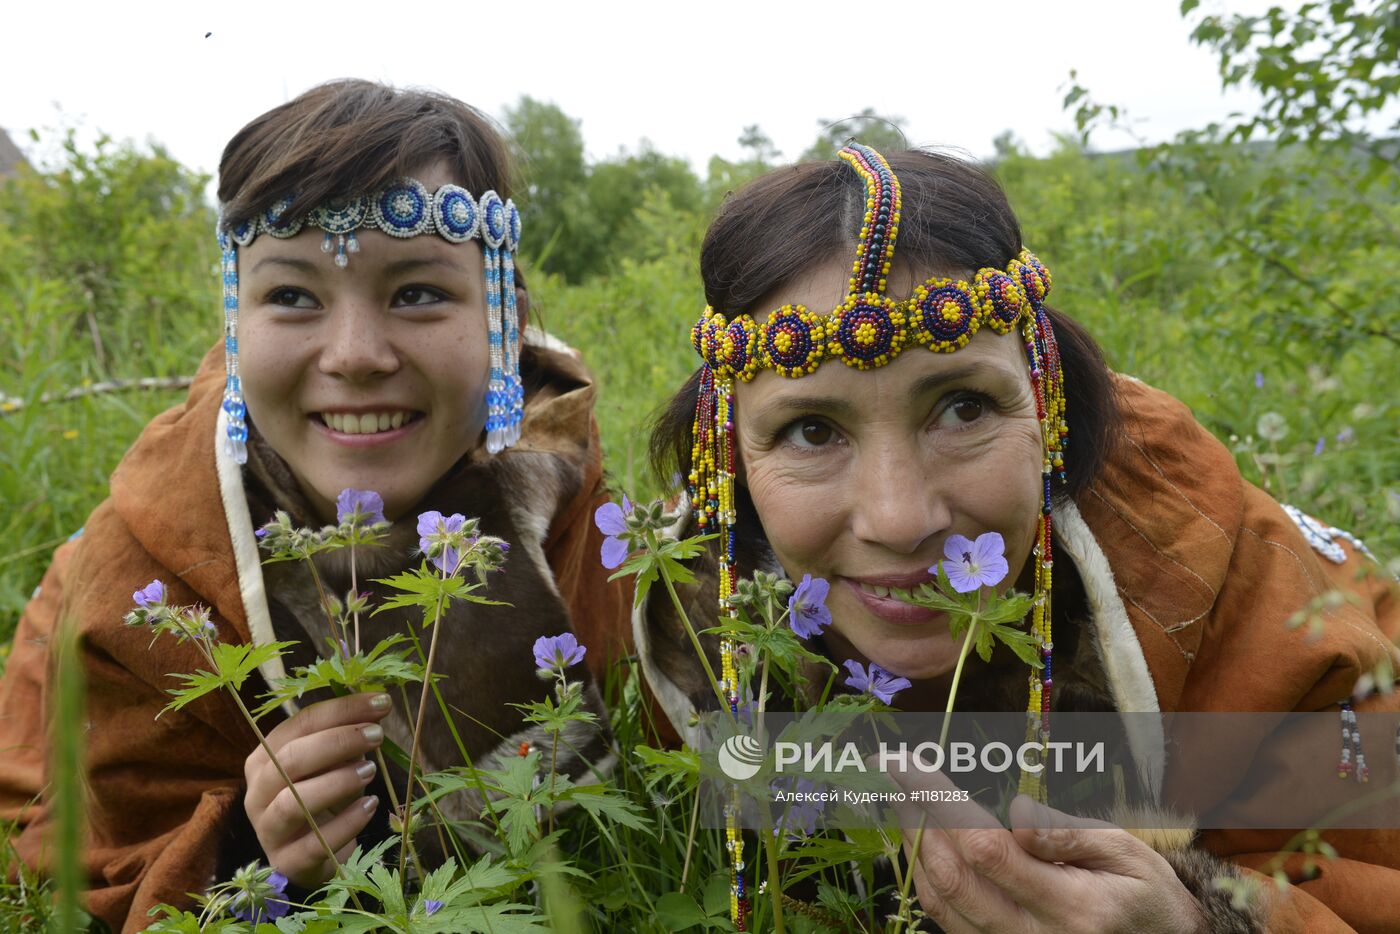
[542, 338]
[1124, 663]
[245, 554]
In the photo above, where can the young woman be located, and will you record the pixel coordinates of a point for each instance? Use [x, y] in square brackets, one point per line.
[821, 436]
[375, 340]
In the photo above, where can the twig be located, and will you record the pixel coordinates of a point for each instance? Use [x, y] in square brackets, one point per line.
[9, 405]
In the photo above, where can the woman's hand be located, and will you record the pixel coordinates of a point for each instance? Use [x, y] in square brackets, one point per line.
[323, 749]
[1051, 872]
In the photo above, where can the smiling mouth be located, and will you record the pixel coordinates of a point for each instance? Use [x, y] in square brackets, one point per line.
[879, 600]
[367, 423]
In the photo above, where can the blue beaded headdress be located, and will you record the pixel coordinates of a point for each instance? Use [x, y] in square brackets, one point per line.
[404, 208]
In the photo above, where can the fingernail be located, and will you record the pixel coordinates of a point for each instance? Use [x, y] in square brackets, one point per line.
[380, 701]
[373, 733]
[365, 770]
[370, 803]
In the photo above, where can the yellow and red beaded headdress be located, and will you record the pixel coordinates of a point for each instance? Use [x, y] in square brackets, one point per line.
[867, 330]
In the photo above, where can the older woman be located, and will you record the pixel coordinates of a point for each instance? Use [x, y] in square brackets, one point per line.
[835, 443]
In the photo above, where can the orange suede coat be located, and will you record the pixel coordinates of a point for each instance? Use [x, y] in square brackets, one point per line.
[160, 792]
[1191, 575]
[1209, 569]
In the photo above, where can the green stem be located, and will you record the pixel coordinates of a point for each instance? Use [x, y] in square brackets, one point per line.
[762, 696]
[325, 601]
[393, 797]
[291, 785]
[689, 629]
[775, 891]
[942, 739]
[452, 729]
[418, 732]
[958, 670]
[553, 762]
[763, 678]
[355, 592]
[690, 837]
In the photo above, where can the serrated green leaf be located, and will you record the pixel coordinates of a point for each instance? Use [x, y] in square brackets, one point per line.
[377, 669]
[233, 663]
[670, 764]
[603, 802]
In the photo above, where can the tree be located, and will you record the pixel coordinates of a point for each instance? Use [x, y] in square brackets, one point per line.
[1268, 179]
[1321, 71]
[617, 190]
[881, 132]
[549, 148]
[759, 145]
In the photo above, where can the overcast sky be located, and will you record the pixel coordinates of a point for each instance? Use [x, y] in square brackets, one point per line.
[687, 76]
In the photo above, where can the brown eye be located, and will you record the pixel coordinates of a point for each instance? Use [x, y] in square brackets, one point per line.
[291, 298]
[418, 295]
[815, 433]
[967, 409]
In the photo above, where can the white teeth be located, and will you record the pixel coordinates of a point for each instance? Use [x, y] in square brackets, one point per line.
[875, 590]
[366, 424]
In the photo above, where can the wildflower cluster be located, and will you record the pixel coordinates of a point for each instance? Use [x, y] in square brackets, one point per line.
[182, 622]
[777, 628]
[458, 558]
[778, 625]
[254, 894]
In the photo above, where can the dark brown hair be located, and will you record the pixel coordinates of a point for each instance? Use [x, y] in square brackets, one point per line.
[344, 139]
[955, 218]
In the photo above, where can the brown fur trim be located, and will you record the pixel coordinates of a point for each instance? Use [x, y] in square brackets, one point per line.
[1199, 871]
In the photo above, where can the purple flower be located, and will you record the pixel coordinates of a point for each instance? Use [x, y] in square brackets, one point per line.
[555, 653]
[971, 565]
[153, 594]
[1345, 435]
[257, 904]
[807, 612]
[261, 533]
[365, 507]
[444, 533]
[800, 819]
[611, 520]
[877, 682]
[431, 907]
[1258, 380]
[1317, 448]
